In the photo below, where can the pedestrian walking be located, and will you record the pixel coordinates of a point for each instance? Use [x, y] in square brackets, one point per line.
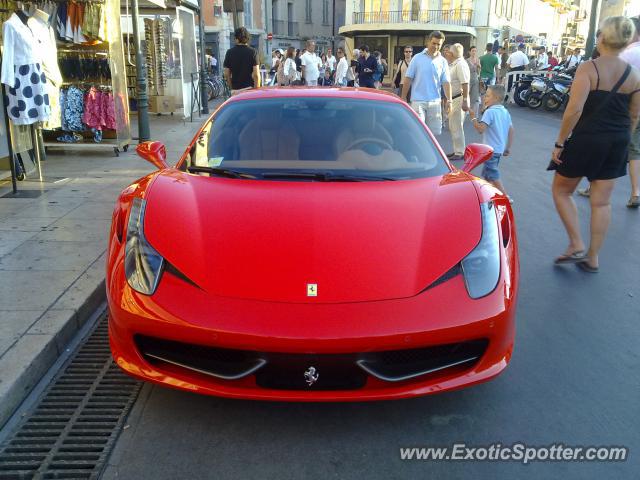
[331, 61]
[287, 72]
[594, 138]
[352, 76]
[631, 55]
[378, 74]
[542, 60]
[367, 66]
[574, 59]
[460, 79]
[473, 61]
[342, 69]
[241, 63]
[311, 65]
[497, 132]
[518, 60]
[504, 66]
[401, 69]
[488, 66]
[428, 72]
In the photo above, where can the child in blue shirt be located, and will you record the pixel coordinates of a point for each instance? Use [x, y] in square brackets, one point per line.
[497, 132]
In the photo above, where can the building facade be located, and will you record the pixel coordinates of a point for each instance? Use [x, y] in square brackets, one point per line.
[275, 24]
[389, 25]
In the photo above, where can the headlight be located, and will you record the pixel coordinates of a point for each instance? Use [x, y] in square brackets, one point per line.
[142, 263]
[481, 268]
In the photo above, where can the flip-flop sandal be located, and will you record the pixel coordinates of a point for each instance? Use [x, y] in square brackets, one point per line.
[634, 202]
[575, 257]
[584, 266]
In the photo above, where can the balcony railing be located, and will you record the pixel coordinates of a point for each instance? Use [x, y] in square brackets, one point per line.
[281, 27]
[461, 17]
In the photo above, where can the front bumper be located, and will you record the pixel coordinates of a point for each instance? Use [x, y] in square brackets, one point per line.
[183, 313]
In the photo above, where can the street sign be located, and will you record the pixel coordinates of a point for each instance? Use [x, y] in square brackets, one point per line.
[269, 36]
[496, 33]
[227, 6]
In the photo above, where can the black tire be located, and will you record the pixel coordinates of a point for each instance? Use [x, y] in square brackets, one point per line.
[519, 95]
[534, 100]
[551, 102]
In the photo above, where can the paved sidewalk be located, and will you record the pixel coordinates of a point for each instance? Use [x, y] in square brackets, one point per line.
[52, 252]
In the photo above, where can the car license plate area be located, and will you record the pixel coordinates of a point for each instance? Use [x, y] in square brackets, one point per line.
[331, 372]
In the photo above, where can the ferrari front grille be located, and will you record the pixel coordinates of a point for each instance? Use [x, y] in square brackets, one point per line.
[399, 365]
[216, 362]
[286, 371]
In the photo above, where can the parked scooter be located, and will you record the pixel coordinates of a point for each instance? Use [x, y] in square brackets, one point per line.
[557, 95]
[533, 97]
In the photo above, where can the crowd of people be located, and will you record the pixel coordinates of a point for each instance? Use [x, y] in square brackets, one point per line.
[599, 137]
[307, 67]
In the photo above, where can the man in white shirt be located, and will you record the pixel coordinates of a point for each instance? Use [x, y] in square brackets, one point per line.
[542, 61]
[460, 78]
[631, 55]
[331, 60]
[518, 60]
[575, 59]
[311, 65]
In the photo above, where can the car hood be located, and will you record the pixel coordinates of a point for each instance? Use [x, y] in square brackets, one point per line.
[269, 240]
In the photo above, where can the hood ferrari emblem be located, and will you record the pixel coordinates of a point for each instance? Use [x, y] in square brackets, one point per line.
[311, 375]
[312, 289]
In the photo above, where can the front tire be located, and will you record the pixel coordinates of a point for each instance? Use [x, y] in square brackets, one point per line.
[519, 95]
[534, 100]
[551, 102]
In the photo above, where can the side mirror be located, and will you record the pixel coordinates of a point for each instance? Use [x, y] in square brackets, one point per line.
[476, 154]
[154, 152]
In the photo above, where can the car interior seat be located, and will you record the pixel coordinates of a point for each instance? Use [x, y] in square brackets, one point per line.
[268, 137]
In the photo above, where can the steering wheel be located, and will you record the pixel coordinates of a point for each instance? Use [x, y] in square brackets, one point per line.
[368, 140]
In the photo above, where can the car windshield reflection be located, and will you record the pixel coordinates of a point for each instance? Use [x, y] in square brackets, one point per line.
[317, 139]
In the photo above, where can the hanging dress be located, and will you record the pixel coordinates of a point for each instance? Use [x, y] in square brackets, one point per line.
[39, 24]
[27, 98]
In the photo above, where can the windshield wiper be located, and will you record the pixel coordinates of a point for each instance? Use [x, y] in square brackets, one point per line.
[323, 176]
[220, 172]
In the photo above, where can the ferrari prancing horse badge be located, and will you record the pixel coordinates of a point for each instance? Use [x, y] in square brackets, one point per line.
[312, 289]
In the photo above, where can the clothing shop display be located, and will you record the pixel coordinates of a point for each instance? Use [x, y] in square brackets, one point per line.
[27, 99]
[39, 24]
[76, 67]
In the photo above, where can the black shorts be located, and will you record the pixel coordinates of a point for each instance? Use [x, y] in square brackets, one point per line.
[595, 156]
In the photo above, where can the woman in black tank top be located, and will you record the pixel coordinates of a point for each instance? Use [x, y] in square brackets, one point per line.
[594, 138]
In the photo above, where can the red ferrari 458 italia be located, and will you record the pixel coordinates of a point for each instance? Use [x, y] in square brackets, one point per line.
[312, 245]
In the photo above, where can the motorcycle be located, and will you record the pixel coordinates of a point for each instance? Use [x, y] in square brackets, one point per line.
[533, 97]
[557, 95]
[522, 87]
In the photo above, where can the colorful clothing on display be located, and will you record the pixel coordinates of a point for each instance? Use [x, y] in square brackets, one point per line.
[39, 25]
[99, 110]
[72, 109]
[27, 97]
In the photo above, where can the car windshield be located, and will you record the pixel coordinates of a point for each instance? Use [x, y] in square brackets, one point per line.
[318, 138]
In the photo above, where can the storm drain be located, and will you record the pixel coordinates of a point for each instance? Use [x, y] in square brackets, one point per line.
[73, 427]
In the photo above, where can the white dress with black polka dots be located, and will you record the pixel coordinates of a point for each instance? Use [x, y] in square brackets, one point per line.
[26, 99]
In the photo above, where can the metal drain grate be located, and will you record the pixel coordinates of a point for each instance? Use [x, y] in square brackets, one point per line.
[72, 429]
